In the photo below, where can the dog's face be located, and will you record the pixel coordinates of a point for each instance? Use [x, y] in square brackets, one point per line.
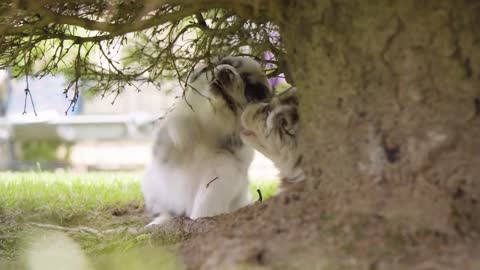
[272, 128]
[234, 81]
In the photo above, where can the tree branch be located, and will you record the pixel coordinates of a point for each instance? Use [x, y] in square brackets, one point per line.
[171, 36]
[115, 29]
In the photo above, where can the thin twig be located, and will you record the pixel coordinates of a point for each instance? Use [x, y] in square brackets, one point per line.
[260, 197]
[28, 93]
[27, 67]
[25, 102]
[208, 184]
[86, 230]
[33, 103]
[80, 229]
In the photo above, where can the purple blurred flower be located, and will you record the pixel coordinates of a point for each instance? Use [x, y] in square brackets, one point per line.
[275, 81]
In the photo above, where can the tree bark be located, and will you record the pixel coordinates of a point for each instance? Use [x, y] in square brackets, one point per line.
[390, 106]
[390, 113]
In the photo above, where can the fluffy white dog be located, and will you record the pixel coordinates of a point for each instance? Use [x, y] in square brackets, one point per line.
[199, 165]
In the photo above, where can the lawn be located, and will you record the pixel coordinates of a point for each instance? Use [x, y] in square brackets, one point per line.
[98, 215]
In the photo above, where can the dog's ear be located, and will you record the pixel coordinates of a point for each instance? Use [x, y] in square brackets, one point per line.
[287, 121]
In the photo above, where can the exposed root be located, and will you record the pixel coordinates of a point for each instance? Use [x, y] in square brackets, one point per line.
[87, 230]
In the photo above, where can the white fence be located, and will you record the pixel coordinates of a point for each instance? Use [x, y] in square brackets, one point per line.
[70, 129]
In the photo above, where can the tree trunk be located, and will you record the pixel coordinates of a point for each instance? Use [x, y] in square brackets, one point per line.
[390, 111]
[390, 106]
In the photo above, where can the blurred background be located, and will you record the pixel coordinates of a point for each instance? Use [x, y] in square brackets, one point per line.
[95, 135]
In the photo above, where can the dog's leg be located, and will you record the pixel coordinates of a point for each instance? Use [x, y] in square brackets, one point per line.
[222, 189]
[156, 195]
[243, 199]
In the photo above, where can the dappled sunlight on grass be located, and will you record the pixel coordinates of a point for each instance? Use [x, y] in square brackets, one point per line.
[97, 211]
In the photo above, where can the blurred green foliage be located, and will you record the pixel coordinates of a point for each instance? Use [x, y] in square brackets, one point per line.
[45, 151]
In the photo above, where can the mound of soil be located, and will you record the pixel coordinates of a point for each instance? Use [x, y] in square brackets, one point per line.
[301, 231]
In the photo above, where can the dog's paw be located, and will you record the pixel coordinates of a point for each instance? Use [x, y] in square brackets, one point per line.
[158, 221]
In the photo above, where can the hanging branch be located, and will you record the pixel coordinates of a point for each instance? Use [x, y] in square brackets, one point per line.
[28, 93]
[74, 82]
[158, 40]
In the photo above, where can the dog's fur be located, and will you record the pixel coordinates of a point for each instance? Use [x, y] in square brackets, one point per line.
[273, 129]
[199, 166]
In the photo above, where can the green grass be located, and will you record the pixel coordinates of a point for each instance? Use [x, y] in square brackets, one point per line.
[99, 201]
[96, 200]
[62, 197]
[267, 188]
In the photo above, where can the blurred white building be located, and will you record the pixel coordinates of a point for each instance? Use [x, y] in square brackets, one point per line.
[94, 122]
[104, 136]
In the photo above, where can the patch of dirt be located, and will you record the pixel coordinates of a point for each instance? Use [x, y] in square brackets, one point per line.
[131, 208]
[300, 231]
